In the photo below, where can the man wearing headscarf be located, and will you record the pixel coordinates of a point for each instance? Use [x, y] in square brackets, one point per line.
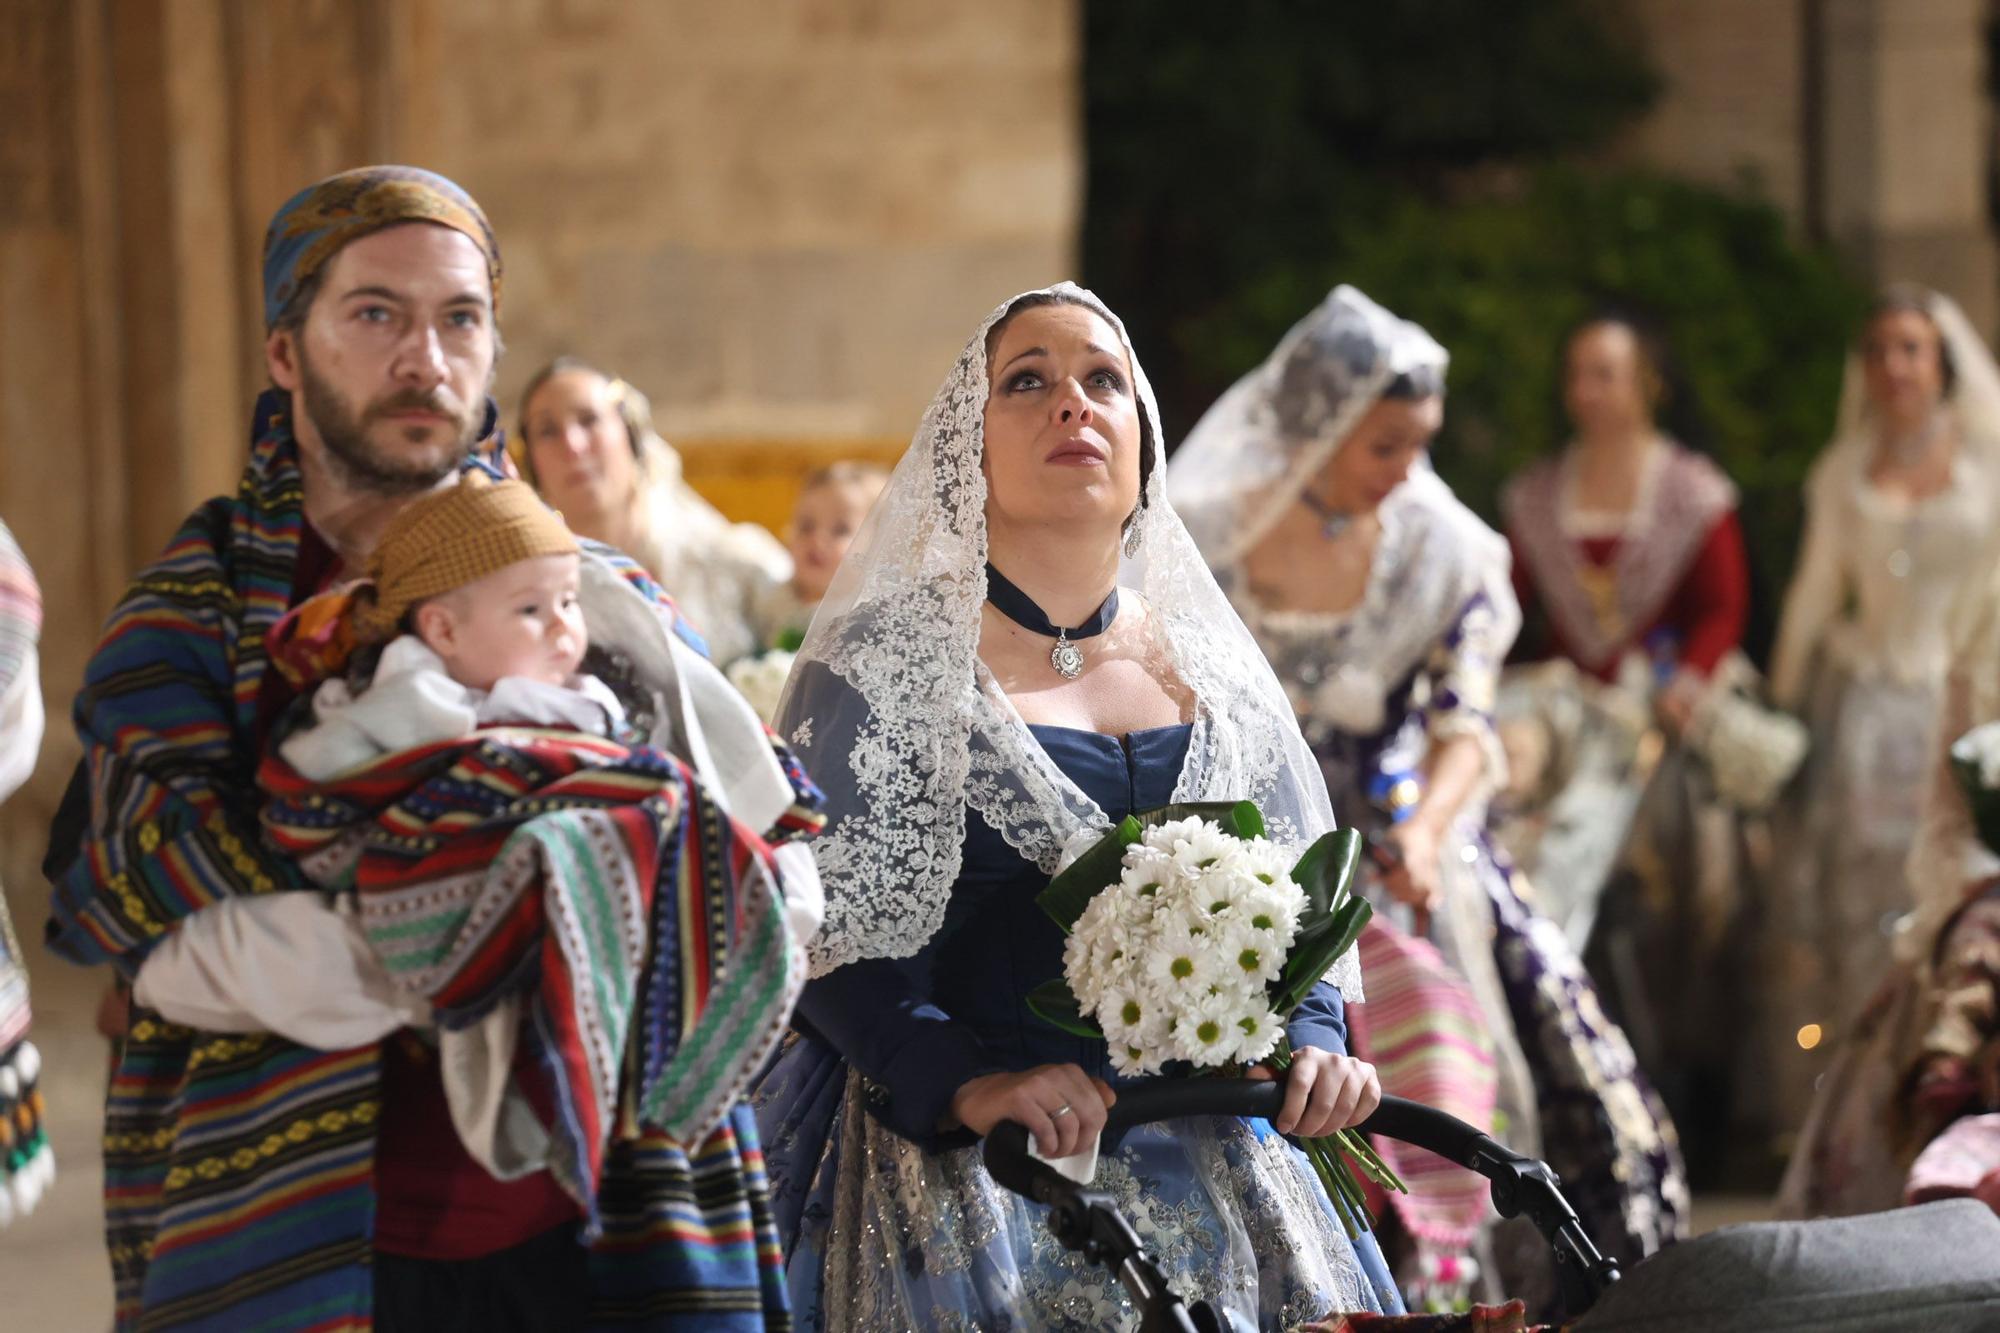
[251, 1181]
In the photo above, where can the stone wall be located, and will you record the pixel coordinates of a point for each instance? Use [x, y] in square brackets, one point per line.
[781, 220]
[1868, 122]
[1732, 112]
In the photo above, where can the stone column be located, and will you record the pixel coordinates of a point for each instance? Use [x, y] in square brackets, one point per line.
[1903, 127]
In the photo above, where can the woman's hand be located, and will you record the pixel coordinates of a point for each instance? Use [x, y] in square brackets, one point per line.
[1414, 878]
[1062, 1106]
[1324, 1092]
[1676, 703]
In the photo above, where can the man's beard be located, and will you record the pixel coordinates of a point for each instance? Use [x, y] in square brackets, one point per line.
[365, 466]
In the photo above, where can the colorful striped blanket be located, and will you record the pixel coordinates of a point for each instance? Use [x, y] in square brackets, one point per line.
[642, 927]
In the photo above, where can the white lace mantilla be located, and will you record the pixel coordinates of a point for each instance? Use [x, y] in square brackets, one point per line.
[905, 730]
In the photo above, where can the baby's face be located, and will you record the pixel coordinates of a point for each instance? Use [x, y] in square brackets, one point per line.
[823, 526]
[523, 620]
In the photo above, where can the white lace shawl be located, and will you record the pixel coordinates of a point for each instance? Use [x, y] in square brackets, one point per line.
[1421, 610]
[905, 730]
[1685, 496]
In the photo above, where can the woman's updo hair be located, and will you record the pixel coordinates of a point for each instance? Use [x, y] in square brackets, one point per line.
[1908, 298]
[1148, 447]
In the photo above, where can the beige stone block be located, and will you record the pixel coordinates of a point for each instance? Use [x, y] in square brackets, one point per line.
[657, 318]
[878, 329]
[1732, 105]
[1931, 108]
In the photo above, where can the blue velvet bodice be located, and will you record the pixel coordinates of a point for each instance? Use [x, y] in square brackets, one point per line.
[920, 1027]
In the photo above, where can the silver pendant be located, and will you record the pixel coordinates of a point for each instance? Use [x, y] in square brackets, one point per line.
[1066, 657]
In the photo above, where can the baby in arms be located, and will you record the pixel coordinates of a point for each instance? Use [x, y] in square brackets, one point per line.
[489, 828]
[475, 589]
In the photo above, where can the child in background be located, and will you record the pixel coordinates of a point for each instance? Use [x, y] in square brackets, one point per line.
[828, 513]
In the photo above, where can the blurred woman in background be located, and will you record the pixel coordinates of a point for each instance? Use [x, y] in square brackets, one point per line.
[587, 443]
[1898, 508]
[1629, 557]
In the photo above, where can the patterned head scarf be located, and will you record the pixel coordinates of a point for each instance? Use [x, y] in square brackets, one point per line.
[316, 222]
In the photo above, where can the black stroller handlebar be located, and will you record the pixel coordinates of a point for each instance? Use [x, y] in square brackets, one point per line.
[1410, 1122]
[1521, 1186]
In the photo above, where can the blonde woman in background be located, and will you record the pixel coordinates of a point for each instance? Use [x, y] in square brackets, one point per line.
[1897, 509]
[1921, 1058]
[587, 443]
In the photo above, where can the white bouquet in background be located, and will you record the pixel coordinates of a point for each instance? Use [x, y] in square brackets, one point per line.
[1975, 762]
[1192, 938]
[761, 679]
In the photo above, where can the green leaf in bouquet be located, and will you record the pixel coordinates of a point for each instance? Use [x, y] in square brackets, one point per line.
[1249, 820]
[1054, 1002]
[1316, 949]
[1101, 864]
[1241, 819]
[1326, 871]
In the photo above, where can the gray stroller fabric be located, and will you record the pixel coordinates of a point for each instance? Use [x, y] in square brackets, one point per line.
[1925, 1269]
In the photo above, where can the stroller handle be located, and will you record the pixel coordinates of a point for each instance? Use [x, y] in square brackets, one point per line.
[1520, 1185]
[1396, 1118]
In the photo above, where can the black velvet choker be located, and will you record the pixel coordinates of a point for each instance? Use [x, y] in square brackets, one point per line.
[1020, 608]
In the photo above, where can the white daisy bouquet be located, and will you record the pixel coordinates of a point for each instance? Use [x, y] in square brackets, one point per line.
[761, 679]
[1192, 938]
[1975, 761]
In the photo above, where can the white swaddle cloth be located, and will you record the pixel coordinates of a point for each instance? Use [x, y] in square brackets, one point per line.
[413, 701]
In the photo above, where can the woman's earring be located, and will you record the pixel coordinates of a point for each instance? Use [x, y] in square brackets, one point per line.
[1132, 538]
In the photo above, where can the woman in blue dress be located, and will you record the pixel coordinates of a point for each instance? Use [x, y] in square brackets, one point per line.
[1022, 646]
